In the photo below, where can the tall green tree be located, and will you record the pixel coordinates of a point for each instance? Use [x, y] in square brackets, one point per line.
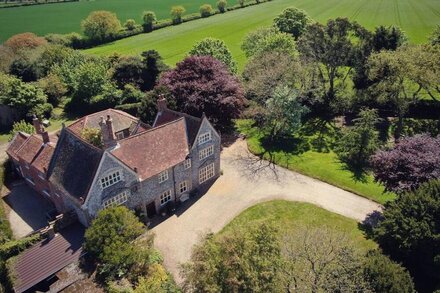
[267, 40]
[435, 36]
[176, 13]
[21, 126]
[358, 143]
[149, 18]
[292, 21]
[101, 25]
[215, 48]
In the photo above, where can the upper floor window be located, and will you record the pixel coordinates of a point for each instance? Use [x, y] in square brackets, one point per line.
[206, 152]
[163, 176]
[204, 137]
[116, 200]
[183, 186]
[111, 179]
[206, 173]
[187, 164]
[165, 197]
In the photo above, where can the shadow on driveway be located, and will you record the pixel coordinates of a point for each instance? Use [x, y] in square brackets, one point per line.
[27, 209]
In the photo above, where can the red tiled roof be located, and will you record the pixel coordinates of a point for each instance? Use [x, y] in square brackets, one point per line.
[41, 162]
[48, 257]
[155, 150]
[121, 121]
[16, 144]
[192, 123]
[30, 148]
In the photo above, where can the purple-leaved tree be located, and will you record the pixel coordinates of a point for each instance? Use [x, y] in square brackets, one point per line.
[204, 84]
[412, 161]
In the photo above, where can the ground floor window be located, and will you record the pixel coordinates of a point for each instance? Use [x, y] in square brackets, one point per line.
[165, 197]
[117, 199]
[183, 186]
[206, 173]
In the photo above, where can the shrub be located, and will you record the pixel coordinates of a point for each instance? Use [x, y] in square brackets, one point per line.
[130, 24]
[149, 18]
[24, 41]
[21, 126]
[101, 25]
[205, 10]
[241, 2]
[292, 21]
[92, 136]
[5, 228]
[54, 88]
[221, 5]
[14, 247]
[177, 13]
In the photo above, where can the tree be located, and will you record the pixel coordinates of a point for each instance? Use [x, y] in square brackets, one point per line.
[386, 276]
[109, 240]
[202, 84]
[158, 280]
[409, 233]
[21, 126]
[52, 55]
[403, 76]
[147, 109]
[149, 18]
[25, 67]
[358, 144]
[435, 36]
[54, 88]
[7, 56]
[267, 40]
[92, 136]
[25, 41]
[321, 260]
[130, 24]
[292, 21]
[101, 25]
[206, 10]
[283, 113]
[221, 5]
[176, 14]
[153, 66]
[128, 70]
[330, 48]
[388, 38]
[241, 2]
[240, 261]
[265, 72]
[411, 162]
[215, 48]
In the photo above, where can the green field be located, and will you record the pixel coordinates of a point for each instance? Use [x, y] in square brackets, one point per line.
[293, 215]
[417, 17]
[66, 17]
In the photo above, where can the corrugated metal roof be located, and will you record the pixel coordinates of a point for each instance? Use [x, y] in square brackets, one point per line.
[48, 257]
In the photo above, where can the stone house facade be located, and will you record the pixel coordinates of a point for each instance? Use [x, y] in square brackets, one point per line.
[146, 168]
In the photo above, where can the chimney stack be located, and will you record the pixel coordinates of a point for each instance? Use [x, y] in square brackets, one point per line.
[107, 131]
[45, 136]
[111, 131]
[37, 125]
[161, 103]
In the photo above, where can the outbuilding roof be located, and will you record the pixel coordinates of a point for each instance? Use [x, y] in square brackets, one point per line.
[16, 144]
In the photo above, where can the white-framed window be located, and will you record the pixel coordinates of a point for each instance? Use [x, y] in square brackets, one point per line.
[206, 173]
[116, 200]
[111, 179]
[120, 135]
[187, 164]
[183, 186]
[206, 152]
[204, 137]
[163, 176]
[165, 197]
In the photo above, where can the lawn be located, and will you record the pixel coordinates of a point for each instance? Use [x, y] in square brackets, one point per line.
[417, 17]
[293, 215]
[320, 165]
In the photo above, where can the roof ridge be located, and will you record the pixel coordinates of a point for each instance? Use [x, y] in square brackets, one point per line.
[124, 113]
[152, 129]
[81, 139]
[183, 114]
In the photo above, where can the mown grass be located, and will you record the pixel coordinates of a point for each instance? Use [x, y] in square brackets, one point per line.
[416, 17]
[289, 216]
[323, 165]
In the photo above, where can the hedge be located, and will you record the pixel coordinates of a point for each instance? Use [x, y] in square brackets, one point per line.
[5, 228]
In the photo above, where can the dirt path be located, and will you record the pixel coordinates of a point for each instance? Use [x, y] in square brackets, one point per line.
[244, 183]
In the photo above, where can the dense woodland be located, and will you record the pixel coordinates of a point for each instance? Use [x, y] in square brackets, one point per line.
[369, 96]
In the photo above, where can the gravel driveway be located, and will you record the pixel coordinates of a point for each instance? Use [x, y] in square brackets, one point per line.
[245, 182]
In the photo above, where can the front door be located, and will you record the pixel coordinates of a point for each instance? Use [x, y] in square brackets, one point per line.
[151, 209]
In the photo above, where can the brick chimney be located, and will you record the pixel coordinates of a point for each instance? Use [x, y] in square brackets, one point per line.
[45, 136]
[161, 103]
[104, 131]
[37, 125]
[107, 131]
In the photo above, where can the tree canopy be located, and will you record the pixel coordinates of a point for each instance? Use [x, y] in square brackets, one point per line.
[101, 25]
[215, 48]
[293, 21]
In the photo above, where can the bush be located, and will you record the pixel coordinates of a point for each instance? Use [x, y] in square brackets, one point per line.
[22, 126]
[24, 41]
[14, 247]
[221, 5]
[130, 24]
[177, 13]
[205, 10]
[101, 26]
[149, 18]
[241, 3]
[5, 228]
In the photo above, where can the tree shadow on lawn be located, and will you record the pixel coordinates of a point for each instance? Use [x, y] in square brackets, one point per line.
[358, 173]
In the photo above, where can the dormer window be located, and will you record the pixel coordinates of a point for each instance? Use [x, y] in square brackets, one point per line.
[111, 179]
[204, 137]
[163, 176]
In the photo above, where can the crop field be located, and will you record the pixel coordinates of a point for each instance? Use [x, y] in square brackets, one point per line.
[416, 17]
[66, 17]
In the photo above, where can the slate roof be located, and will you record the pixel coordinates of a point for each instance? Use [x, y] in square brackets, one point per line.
[121, 121]
[16, 144]
[155, 150]
[192, 123]
[74, 164]
[47, 257]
